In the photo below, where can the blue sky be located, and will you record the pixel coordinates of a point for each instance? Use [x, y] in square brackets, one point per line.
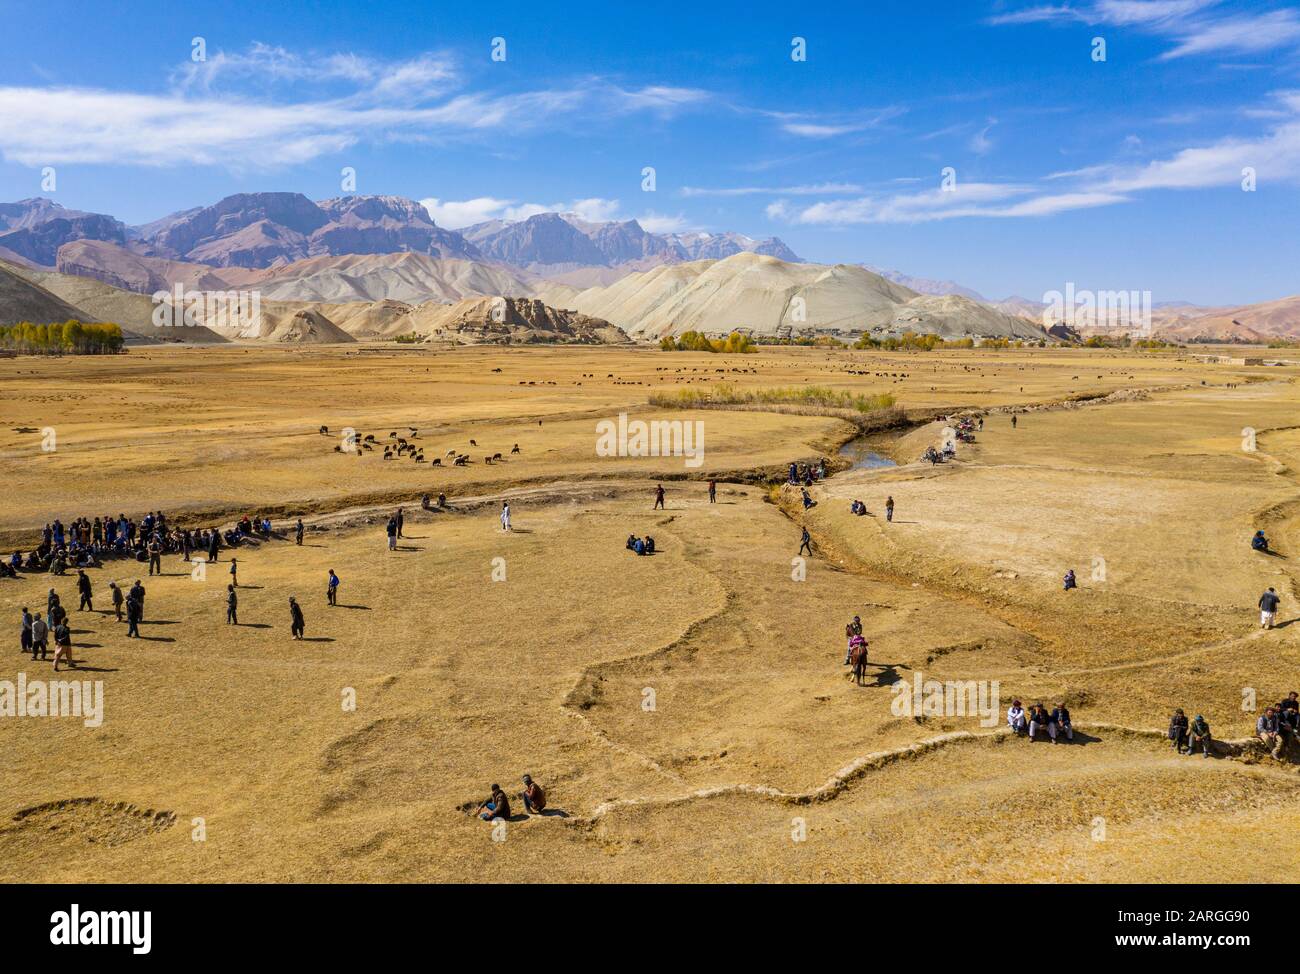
[1117, 174]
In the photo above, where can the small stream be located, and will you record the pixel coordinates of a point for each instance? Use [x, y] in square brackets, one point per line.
[861, 456]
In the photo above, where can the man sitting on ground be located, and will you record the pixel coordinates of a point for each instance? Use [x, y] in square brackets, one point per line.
[1061, 718]
[1268, 727]
[1259, 542]
[1199, 733]
[497, 805]
[1178, 730]
[533, 795]
[1040, 720]
[1016, 718]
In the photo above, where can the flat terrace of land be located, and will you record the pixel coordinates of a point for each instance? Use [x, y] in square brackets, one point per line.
[217, 432]
[689, 712]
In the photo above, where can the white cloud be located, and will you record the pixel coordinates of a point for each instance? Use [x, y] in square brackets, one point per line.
[653, 222]
[456, 214]
[815, 130]
[594, 210]
[463, 213]
[808, 189]
[1195, 26]
[229, 111]
[980, 143]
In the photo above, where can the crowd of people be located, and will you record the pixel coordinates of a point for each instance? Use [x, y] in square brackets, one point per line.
[642, 546]
[90, 542]
[1055, 723]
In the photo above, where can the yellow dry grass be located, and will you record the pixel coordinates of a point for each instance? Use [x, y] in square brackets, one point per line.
[756, 737]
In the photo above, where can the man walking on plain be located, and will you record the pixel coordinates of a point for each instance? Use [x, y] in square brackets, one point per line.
[1268, 603]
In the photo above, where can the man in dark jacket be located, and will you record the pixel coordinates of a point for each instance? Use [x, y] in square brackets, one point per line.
[1178, 730]
[1041, 720]
[1268, 603]
[134, 613]
[1061, 718]
[1199, 733]
[297, 624]
[83, 589]
[1269, 730]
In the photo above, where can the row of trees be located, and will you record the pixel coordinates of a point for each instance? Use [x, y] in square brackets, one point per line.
[694, 341]
[72, 338]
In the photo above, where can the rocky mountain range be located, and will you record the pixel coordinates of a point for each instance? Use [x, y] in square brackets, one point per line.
[357, 261]
[266, 230]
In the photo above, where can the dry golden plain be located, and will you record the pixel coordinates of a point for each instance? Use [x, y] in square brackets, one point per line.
[756, 734]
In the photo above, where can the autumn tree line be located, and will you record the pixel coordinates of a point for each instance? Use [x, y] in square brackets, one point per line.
[70, 338]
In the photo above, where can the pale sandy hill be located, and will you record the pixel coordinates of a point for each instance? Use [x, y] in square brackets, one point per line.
[24, 300]
[369, 319]
[282, 322]
[102, 302]
[956, 316]
[768, 296]
[408, 277]
[475, 321]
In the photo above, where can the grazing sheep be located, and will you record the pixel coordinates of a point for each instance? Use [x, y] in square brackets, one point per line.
[388, 454]
[487, 459]
[450, 453]
[496, 456]
[366, 446]
[516, 449]
[437, 461]
[473, 443]
[324, 431]
[338, 449]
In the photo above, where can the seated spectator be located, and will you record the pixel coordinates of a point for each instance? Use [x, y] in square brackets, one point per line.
[1016, 718]
[649, 545]
[1070, 581]
[1178, 730]
[1199, 733]
[1061, 718]
[1259, 542]
[1040, 720]
[533, 795]
[497, 806]
[1289, 711]
[631, 542]
[1269, 729]
[639, 547]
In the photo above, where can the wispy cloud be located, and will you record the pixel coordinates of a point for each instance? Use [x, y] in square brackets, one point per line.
[1274, 155]
[1194, 27]
[456, 214]
[809, 189]
[231, 111]
[816, 126]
